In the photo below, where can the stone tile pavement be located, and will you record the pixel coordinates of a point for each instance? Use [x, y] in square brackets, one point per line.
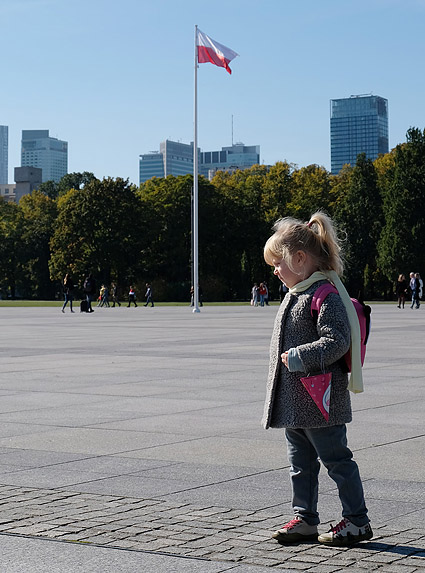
[131, 438]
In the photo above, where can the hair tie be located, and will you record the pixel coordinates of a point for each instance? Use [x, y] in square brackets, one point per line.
[309, 224]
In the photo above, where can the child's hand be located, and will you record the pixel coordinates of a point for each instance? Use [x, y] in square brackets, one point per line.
[284, 357]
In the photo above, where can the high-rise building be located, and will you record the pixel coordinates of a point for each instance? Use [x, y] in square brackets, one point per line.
[175, 158]
[47, 153]
[359, 124]
[4, 151]
[238, 156]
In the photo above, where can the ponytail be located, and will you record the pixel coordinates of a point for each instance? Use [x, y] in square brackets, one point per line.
[318, 237]
[322, 225]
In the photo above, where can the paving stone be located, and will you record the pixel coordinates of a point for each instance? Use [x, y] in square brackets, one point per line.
[230, 507]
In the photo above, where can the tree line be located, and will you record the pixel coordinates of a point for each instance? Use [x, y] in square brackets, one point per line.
[133, 235]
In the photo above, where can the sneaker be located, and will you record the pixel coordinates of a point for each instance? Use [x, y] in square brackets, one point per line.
[346, 533]
[296, 530]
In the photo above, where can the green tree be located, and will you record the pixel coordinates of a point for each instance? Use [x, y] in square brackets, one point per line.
[38, 217]
[74, 181]
[167, 208]
[359, 212]
[98, 229]
[10, 249]
[402, 244]
[310, 191]
[49, 188]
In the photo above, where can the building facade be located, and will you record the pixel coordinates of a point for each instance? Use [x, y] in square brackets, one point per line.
[7, 191]
[175, 158]
[359, 124]
[27, 179]
[238, 156]
[46, 153]
[4, 154]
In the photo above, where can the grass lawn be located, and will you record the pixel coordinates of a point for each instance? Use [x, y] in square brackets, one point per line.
[59, 303]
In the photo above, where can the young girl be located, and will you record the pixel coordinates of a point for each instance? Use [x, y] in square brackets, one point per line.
[305, 256]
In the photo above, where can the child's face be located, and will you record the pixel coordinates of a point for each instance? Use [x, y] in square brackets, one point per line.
[285, 274]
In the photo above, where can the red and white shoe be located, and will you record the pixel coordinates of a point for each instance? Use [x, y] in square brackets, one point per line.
[346, 533]
[296, 530]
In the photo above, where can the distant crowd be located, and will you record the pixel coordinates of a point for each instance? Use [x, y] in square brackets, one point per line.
[412, 290]
[105, 296]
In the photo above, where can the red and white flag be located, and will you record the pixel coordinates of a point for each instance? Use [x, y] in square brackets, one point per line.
[211, 51]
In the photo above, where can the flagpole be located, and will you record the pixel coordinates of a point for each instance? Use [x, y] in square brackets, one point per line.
[195, 185]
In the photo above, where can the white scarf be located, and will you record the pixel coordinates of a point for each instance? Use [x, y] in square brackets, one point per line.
[356, 379]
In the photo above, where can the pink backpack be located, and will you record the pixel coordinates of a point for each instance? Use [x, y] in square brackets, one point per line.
[363, 314]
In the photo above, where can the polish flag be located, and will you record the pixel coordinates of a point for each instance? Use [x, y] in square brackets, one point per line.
[211, 51]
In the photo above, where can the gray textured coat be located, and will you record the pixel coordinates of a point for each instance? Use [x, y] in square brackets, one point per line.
[320, 346]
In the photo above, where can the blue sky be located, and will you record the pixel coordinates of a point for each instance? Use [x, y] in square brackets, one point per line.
[115, 77]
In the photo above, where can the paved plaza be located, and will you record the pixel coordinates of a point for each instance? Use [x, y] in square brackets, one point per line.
[130, 440]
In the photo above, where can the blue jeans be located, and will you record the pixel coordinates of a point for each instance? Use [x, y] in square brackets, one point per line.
[415, 299]
[68, 298]
[329, 444]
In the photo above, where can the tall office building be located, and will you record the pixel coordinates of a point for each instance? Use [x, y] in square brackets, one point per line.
[359, 124]
[175, 158]
[4, 151]
[238, 156]
[47, 153]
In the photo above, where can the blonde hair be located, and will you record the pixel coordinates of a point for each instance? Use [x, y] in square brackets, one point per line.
[317, 237]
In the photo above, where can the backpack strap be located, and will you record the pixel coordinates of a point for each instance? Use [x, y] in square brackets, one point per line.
[319, 296]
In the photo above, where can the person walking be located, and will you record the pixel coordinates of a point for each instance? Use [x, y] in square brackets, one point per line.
[415, 288]
[262, 291]
[266, 295]
[254, 295]
[305, 256]
[100, 297]
[149, 295]
[114, 295]
[68, 287]
[105, 296]
[131, 296]
[89, 288]
[401, 290]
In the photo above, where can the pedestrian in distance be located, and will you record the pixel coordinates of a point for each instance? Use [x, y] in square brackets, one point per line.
[68, 287]
[306, 256]
[100, 297]
[266, 296]
[262, 291]
[114, 295]
[105, 297]
[149, 295]
[89, 288]
[415, 286]
[192, 296]
[254, 295]
[401, 290]
[131, 296]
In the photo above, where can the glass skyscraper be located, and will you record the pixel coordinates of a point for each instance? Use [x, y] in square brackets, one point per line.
[45, 152]
[359, 124]
[4, 151]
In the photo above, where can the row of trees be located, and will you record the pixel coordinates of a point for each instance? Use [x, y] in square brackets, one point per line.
[135, 235]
